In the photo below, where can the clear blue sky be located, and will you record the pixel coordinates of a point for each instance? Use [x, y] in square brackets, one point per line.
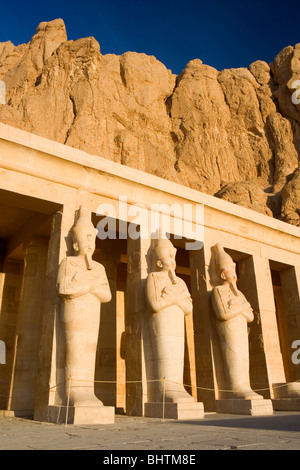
[222, 34]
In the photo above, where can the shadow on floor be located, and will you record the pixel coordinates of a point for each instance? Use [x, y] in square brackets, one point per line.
[279, 422]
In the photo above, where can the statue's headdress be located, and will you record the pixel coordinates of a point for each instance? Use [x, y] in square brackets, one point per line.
[160, 240]
[83, 221]
[222, 259]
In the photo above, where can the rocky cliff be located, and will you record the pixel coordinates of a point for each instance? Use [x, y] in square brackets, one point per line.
[233, 133]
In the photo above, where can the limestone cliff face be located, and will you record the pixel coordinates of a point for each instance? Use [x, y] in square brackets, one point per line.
[234, 134]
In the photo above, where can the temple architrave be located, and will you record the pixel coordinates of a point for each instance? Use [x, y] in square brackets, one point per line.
[48, 295]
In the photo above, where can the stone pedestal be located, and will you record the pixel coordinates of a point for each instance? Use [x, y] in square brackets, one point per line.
[7, 414]
[245, 407]
[174, 410]
[81, 414]
[286, 404]
[286, 396]
[15, 414]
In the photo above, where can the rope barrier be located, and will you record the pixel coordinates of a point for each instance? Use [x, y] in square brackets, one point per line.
[164, 381]
[153, 380]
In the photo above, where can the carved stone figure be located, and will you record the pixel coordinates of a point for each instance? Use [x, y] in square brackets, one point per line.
[169, 301]
[233, 313]
[83, 286]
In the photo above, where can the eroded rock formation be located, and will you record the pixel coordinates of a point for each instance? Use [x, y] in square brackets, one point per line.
[233, 133]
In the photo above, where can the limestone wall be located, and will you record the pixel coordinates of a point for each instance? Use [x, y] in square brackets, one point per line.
[47, 181]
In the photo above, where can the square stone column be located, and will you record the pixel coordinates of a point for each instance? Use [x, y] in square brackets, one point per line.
[200, 287]
[106, 377]
[290, 284]
[256, 283]
[10, 292]
[138, 253]
[287, 395]
[28, 328]
[248, 285]
[59, 245]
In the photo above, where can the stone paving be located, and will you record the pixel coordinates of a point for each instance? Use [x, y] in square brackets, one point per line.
[280, 431]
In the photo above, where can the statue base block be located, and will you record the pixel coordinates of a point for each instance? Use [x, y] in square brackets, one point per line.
[16, 414]
[286, 404]
[286, 396]
[81, 414]
[7, 414]
[174, 410]
[245, 407]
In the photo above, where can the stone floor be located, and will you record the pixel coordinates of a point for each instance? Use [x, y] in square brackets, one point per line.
[280, 431]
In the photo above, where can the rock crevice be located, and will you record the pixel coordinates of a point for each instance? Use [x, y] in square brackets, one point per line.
[233, 133]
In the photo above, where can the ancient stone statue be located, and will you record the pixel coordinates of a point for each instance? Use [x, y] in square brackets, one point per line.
[83, 286]
[233, 313]
[169, 301]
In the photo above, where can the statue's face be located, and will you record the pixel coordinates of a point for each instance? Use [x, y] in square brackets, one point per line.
[85, 242]
[228, 273]
[166, 258]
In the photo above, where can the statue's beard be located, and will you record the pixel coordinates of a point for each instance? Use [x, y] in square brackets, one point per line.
[172, 276]
[88, 259]
[233, 286]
